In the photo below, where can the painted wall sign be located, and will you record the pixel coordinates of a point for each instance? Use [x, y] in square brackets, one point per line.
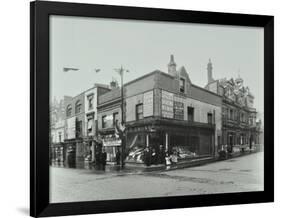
[167, 100]
[148, 104]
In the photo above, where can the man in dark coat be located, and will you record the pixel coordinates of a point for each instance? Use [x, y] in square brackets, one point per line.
[118, 156]
[147, 156]
[103, 158]
[162, 155]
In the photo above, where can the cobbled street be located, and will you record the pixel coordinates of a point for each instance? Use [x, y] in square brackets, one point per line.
[239, 174]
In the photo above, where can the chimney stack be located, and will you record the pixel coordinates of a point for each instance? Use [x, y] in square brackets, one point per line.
[210, 72]
[172, 66]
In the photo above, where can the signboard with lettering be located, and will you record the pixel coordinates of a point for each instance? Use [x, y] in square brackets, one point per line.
[178, 108]
[148, 104]
[167, 104]
[111, 141]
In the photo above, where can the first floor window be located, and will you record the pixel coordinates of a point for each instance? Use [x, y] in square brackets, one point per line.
[103, 122]
[115, 118]
[210, 118]
[139, 111]
[190, 114]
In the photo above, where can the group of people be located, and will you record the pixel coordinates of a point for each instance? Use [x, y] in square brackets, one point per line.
[154, 156]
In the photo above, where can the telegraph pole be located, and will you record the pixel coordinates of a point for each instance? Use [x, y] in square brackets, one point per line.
[121, 71]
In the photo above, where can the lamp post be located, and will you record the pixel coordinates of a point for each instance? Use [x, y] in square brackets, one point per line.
[121, 71]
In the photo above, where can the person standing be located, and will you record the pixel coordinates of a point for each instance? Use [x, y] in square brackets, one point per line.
[118, 156]
[147, 156]
[103, 158]
[154, 156]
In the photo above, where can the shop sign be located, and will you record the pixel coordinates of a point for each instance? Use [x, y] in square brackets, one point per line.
[178, 110]
[167, 104]
[148, 104]
[111, 142]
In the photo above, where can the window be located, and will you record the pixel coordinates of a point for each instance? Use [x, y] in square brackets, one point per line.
[68, 110]
[90, 125]
[78, 107]
[182, 85]
[103, 121]
[231, 114]
[79, 129]
[115, 118]
[210, 118]
[242, 117]
[90, 101]
[190, 114]
[59, 136]
[139, 111]
[107, 121]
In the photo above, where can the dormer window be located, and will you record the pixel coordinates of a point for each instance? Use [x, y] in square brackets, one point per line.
[182, 85]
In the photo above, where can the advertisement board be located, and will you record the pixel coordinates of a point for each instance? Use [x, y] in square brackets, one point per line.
[167, 100]
[148, 104]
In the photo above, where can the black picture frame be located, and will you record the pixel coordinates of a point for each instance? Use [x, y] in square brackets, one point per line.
[39, 107]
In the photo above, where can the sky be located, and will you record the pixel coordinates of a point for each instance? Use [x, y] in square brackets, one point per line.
[145, 46]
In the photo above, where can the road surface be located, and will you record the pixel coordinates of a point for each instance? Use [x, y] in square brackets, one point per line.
[239, 174]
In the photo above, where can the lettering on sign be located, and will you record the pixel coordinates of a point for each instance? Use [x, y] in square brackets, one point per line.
[148, 104]
[167, 106]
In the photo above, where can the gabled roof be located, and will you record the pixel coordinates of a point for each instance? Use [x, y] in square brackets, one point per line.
[182, 72]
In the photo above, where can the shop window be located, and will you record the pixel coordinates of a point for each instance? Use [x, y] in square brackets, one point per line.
[190, 114]
[182, 85]
[78, 107]
[90, 101]
[210, 118]
[115, 118]
[139, 111]
[68, 110]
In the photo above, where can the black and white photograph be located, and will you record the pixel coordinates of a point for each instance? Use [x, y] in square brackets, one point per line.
[143, 109]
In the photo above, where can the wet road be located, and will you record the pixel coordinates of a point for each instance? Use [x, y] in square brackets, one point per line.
[234, 175]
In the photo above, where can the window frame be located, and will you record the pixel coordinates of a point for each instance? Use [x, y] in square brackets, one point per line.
[68, 110]
[137, 112]
[90, 97]
[188, 115]
[78, 104]
[182, 87]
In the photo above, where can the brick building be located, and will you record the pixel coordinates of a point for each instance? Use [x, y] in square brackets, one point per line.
[57, 129]
[239, 127]
[163, 109]
[81, 125]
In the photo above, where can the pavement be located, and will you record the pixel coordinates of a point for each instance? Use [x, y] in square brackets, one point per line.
[238, 174]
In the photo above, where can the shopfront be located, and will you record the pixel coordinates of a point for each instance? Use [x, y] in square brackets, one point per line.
[189, 140]
[57, 153]
[112, 145]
